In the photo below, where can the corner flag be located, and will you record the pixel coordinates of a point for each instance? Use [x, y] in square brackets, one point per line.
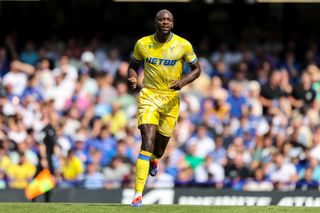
[42, 183]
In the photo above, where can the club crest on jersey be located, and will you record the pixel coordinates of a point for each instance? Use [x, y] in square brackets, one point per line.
[150, 45]
[161, 61]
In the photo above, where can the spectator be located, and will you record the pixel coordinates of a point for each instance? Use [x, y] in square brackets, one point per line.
[236, 100]
[185, 174]
[284, 174]
[210, 173]
[314, 72]
[173, 158]
[63, 89]
[116, 172]
[202, 143]
[104, 143]
[4, 62]
[291, 65]
[66, 68]
[16, 78]
[21, 173]
[253, 103]
[271, 92]
[184, 128]
[46, 78]
[222, 71]
[126, 100]
[219, 153]
[113, 62]
[237, 172]
[29, 154]
[258, 183]
[307, 182]
[79, 147]
[71, 170]
[93, 179]
[238, 148]
[303, 95]
[4, 158]
[225, 55]
[315, 168]
[88, 85]
[29, 54]
[107, 93]
[33, 89]
[125, 152]
[192, 158]
[221, 108]
[117, 118]
[87, 68]
[121, 74]
[314, 152]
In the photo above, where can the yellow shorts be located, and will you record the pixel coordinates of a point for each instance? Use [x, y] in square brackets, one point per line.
[160, 108]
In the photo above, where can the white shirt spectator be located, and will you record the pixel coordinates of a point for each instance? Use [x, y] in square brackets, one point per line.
[17, 80]
[202, 173]
[70, 70]
[90, 87]
[46, 79]
[315, 152]
[284, 173]
[60, 93]
[203, 146]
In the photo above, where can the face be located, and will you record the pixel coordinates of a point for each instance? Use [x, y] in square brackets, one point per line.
[164, 23]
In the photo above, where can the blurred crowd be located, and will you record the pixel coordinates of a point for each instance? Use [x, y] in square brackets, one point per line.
[250, 122]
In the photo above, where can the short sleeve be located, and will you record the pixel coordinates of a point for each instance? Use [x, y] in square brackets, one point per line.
[189, 55]
[40, 137]
[137, 55]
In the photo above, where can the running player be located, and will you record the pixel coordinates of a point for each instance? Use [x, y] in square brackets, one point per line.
[163, 55]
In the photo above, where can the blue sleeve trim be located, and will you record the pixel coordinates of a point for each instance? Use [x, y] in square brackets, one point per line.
[136, 60]
[194, 61]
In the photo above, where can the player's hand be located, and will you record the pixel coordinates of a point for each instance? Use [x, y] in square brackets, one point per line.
[44, 163]
[176, 85]
[133, 82]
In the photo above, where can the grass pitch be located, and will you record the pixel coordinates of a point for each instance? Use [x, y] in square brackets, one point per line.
[93, 208]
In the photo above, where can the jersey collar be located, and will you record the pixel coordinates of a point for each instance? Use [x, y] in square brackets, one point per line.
[167, 41]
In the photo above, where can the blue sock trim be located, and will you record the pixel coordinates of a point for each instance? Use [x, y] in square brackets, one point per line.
[143, 157]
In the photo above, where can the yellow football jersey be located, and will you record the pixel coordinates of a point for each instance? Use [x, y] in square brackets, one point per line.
[163, 62]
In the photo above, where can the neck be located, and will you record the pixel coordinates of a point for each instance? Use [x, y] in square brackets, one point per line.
[162, 38]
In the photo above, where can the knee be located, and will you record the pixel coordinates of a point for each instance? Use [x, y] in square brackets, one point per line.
[147, 146]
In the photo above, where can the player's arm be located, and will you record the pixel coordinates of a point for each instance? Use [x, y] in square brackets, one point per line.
[43, 155]
[188, 78]
[134, 65]
[43, 150]
[191, 58]
[133, 73]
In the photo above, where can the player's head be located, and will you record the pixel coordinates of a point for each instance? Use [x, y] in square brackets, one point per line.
[164, 22]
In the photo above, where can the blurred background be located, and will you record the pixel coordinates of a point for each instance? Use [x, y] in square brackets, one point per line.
[251, 122]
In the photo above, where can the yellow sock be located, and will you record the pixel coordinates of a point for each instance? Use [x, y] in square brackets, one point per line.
[142, 170]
